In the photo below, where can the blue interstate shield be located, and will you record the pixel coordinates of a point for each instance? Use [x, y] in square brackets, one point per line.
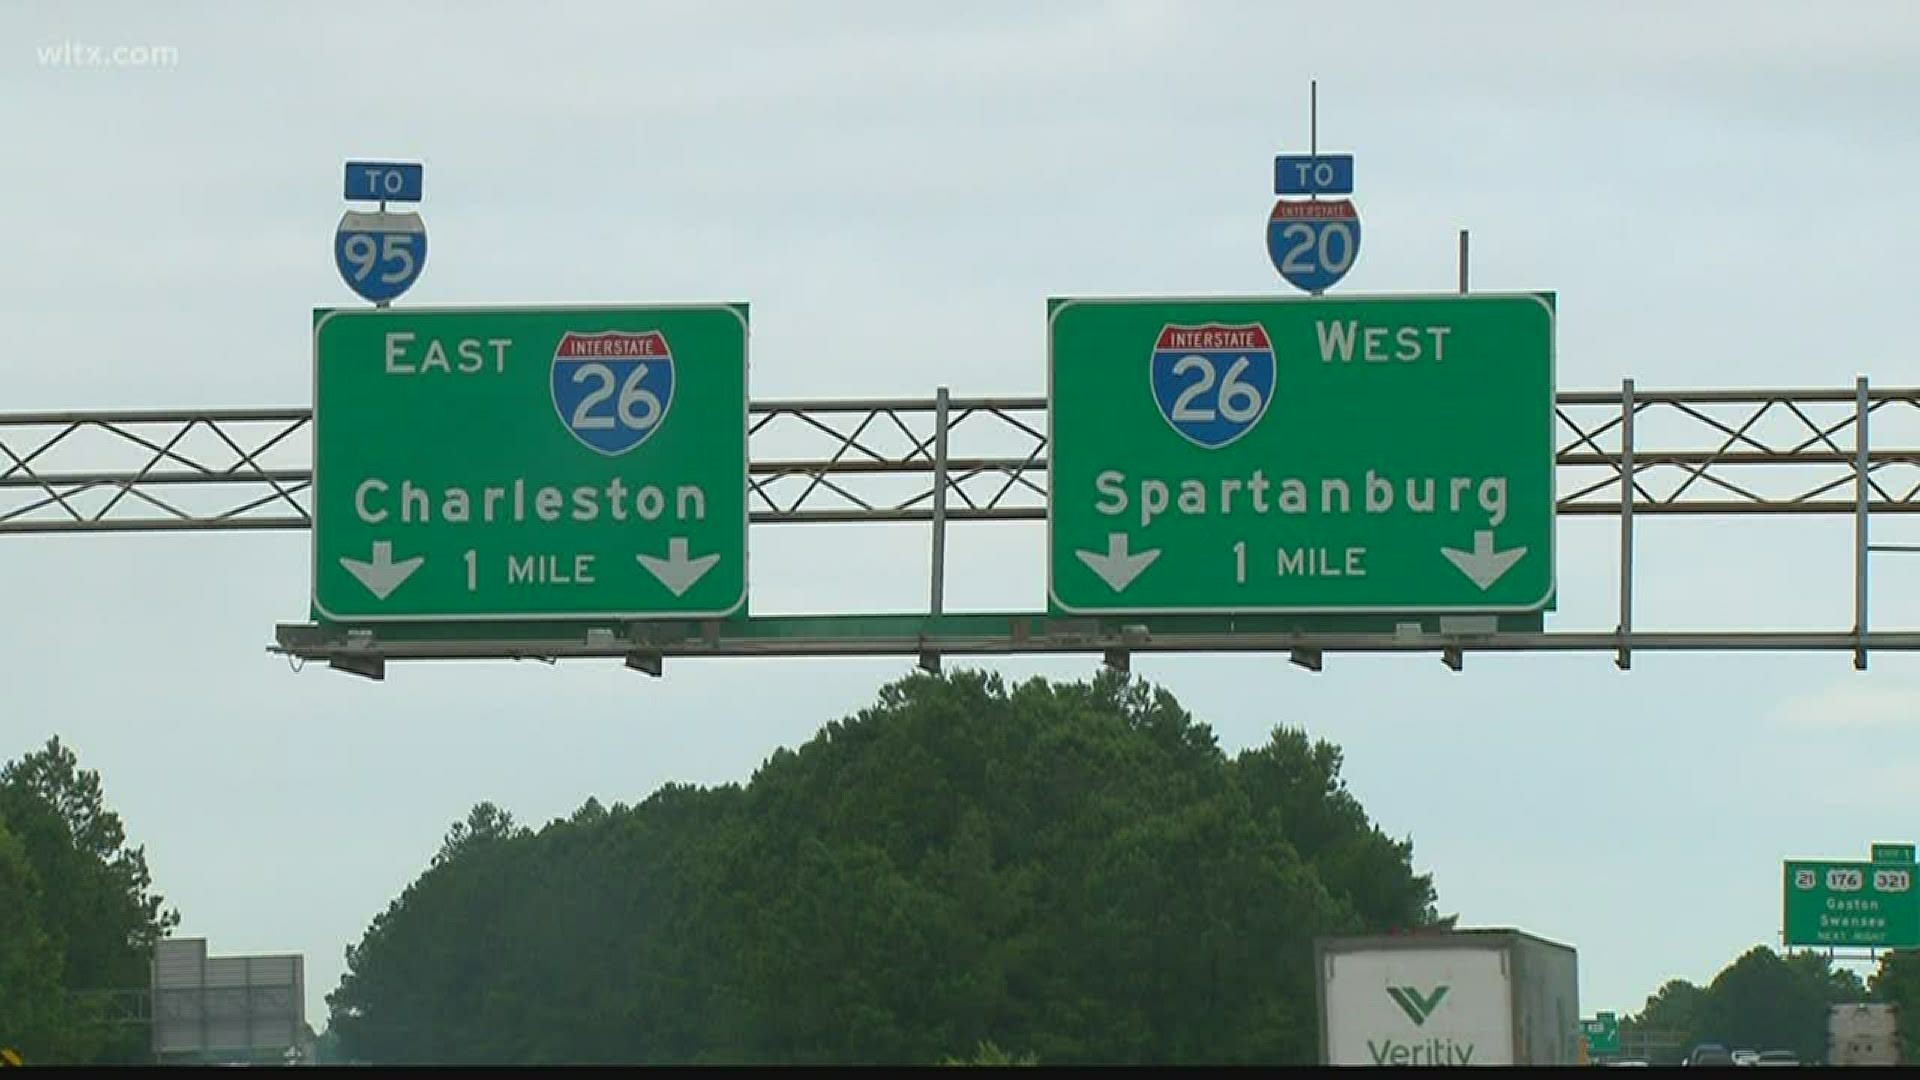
[1313, 243]
[1213, 382]
[612, 389]
[380, 255]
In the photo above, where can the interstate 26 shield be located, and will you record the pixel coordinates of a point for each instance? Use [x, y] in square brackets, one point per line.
[612, 389]
[1213, 382]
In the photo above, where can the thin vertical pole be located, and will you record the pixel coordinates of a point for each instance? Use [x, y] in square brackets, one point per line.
[1623, 658]
[1463, 260]
[936, 600]
[383, 212]
[1313, 118]
[1860, 488]
[1313, 144]
[936, 590]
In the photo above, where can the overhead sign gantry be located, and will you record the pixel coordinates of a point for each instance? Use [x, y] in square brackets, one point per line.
[1294, 474]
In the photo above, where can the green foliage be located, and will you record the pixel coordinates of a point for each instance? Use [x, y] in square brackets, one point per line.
[1076, 870]
[1897, 980]
[1679, 1007]
[326, 1049]
[1761, 1001]
[34, 1018]
[77, 912]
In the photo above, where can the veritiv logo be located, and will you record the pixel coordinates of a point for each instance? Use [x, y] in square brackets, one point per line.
[1418, 1007]
[1435, 1050]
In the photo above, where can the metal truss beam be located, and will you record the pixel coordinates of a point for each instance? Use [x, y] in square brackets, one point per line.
[1678, 452]
[645, 648]
[1627, 453]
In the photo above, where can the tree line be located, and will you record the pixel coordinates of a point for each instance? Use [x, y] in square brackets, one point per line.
[1047, 872]
[78, 915]
[962, 872]
[1765, 1000]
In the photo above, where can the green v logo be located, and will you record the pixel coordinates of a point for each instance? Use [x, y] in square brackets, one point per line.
[1418, 1007]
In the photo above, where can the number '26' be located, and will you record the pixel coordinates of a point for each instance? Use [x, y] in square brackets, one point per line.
[637, 408]
[1238, 401]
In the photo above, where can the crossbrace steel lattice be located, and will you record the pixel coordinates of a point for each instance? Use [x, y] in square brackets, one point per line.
[1624, 452]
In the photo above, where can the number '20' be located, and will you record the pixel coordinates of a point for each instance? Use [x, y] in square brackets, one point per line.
[1308, 240]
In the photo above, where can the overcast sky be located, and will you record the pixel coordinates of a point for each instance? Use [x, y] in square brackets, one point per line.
[1720, 193]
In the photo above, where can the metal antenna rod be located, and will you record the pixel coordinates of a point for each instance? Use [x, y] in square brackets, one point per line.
[1313, 118]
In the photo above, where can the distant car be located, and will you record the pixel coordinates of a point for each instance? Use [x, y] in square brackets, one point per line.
[1745, 1057]
[1630, 1062]
[1709, 1054]
[1777, 1057]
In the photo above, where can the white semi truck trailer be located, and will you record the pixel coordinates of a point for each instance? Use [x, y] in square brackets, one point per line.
[1458, 997]
[1864, 1034]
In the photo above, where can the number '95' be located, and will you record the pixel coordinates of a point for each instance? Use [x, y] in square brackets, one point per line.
[394, 249]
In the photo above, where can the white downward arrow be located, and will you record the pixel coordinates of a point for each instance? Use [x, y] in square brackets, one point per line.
[383, 575]
[676, 571]
[1116, 567]
[1483, 565]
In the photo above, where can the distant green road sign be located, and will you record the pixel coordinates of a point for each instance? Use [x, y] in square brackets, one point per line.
[1851, 903]
[1301, 454]
[1893, 853]
[529, 463]
[1603, 1033]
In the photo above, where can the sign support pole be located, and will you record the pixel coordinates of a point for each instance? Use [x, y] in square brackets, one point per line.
[1453, 656]
[1860, 489]
[382, 303]
[1623, 658]
[1313, 137]
[936, 590]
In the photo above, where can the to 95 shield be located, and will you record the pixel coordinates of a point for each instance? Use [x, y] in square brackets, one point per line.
[612, 389]
[380, 254]
[1213, 382]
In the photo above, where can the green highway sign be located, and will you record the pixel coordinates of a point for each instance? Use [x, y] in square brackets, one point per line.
[1603, 1033]
[1301, 454]
[1851, 903]
[1893, 853]
[530, 463]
